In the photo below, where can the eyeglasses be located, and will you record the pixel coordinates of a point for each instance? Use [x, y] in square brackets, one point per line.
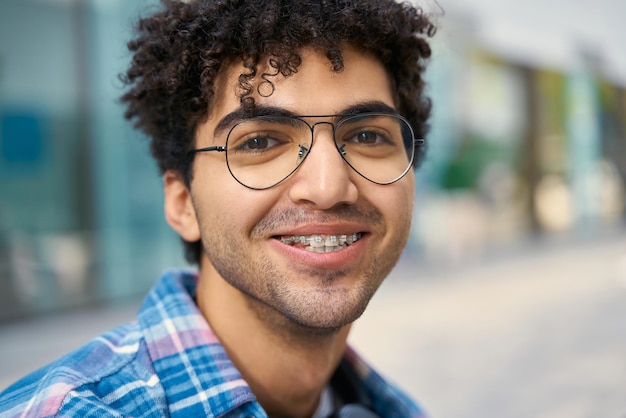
[263, 151]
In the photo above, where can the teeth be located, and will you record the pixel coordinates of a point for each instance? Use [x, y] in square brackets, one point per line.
[317, 241]
[322, 243]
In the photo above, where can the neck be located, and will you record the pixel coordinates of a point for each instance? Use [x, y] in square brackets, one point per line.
[286, 365]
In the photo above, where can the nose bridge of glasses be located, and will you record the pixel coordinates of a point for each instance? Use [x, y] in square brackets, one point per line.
[324, 156]
[323, 142]
[331, 130]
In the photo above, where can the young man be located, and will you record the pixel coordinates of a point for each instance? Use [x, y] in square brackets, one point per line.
[286, 132]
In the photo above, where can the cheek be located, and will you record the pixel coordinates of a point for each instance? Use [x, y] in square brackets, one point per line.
[409, 193]
[397, 202]
[232, 209]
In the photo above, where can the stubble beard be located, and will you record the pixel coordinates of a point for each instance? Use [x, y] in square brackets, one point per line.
[283, 306]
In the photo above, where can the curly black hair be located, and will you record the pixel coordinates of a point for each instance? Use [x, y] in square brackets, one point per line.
[181, 49]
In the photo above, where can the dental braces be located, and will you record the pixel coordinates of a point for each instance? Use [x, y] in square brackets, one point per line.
[318, 241]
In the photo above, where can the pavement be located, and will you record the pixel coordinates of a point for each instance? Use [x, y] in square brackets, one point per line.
[537, 332]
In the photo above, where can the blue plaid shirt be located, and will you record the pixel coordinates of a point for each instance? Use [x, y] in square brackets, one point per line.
[166, 363]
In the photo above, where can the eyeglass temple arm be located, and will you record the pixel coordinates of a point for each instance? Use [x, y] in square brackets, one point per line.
[207, 149]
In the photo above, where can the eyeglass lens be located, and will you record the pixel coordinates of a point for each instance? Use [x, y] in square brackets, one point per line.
[263, 151]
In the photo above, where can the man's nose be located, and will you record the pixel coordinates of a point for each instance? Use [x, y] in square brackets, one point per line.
[324, 180]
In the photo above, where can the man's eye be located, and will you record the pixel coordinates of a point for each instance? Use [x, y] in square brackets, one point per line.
[369, 138]
[258, 143]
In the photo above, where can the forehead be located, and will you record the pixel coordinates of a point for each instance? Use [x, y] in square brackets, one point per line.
[314, 89]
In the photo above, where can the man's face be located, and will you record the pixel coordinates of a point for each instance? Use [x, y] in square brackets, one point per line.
[241, 229]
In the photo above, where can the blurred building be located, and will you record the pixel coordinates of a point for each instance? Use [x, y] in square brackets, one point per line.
[528, 138]
[529, 129]
[80, 201]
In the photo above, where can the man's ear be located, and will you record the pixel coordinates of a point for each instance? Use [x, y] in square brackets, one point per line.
[179, 210]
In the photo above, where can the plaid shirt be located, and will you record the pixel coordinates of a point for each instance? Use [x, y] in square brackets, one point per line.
[166, 363]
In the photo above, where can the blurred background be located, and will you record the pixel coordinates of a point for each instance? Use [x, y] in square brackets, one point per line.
[517, 259]
[80, 202]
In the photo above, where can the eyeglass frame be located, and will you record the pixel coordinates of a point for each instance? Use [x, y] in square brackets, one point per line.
[342, 117]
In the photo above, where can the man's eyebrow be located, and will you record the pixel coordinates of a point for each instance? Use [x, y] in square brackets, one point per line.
[368, 107]
[240, 115]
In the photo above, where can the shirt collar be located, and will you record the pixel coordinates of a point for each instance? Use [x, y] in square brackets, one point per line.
[197, 375]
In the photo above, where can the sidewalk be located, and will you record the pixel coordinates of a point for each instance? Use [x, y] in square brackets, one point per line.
[539, 333]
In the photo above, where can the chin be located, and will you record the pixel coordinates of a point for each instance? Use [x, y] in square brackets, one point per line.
[326, 314]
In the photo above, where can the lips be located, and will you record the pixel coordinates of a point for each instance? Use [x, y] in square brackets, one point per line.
[320, 243]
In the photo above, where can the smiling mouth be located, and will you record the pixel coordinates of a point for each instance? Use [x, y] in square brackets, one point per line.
[321, 243]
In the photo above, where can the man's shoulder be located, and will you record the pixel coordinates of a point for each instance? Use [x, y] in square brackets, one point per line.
[94, 377]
